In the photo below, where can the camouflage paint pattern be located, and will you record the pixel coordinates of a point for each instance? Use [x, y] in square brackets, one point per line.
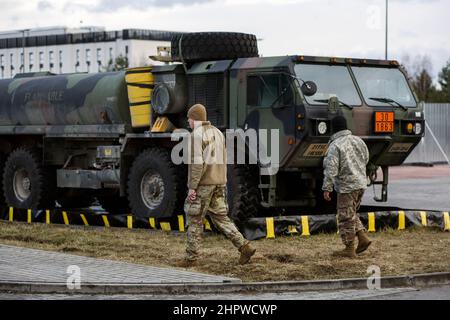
[211, 199]
[73, 99]
[349, 223]
[101, 99]
[96, 106]
[345, 163]
[297, 122]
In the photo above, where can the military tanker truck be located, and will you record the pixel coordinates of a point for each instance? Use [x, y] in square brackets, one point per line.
[71, 138]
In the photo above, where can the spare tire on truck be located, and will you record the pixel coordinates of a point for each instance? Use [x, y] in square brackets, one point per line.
[200, 46]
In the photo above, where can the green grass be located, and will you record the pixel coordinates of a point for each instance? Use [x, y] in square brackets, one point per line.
[418, 250]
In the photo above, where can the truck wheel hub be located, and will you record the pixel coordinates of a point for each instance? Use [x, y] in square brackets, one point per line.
[152, 189]
[21, 185]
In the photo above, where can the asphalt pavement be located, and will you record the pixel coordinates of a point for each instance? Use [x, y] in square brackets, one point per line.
[431, 293]
[416, 188]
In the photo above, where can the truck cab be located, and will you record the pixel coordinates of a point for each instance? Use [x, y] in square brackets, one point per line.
[269, 93]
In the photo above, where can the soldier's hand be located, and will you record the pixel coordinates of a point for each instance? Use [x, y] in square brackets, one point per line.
[192, 195]
[326, 196]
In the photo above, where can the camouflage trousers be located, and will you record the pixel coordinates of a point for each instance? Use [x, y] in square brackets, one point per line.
[348, 218]
[211, 199]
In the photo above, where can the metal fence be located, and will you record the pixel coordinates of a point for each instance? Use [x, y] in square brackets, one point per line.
[432, 148]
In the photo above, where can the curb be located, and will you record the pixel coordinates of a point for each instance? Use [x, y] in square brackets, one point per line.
[417, 280]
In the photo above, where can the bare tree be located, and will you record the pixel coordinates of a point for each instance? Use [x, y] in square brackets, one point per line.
[419, 73]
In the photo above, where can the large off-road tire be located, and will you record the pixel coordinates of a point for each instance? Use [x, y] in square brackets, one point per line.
[200, 46]
[73, 198]
[114, 204]
[26, 183]
[156, 187]
[243, 192]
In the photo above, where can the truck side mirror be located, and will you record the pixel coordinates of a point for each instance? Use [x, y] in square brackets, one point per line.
[309, 88]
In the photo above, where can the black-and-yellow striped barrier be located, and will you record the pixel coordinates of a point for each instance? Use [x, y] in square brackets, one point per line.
[93, 218]
[305, 225]
[254, 228]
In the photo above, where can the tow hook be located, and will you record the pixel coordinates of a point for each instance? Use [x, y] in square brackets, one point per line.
[384, 184]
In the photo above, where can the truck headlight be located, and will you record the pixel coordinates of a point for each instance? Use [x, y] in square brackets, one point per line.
[322, 127]
[418, 128]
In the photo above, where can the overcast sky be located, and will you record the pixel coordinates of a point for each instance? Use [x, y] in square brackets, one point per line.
[352, 28]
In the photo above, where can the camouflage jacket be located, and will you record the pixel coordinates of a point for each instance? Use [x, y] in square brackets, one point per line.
[345, 163]
[208, 156]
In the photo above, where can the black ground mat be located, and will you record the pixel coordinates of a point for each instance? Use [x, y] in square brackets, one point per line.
[254, 228]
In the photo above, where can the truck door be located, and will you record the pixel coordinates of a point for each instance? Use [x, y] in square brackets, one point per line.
[270, 105]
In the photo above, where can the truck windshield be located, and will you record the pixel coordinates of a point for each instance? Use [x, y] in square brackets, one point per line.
[331, 81]
[384, 86]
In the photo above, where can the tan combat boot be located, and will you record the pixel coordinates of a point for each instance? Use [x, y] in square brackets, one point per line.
[185, 263]
[348, 252]
[363, 241]
[247, 251]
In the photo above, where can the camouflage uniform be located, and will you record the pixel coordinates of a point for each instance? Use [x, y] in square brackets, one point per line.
[345, 167]
[348, 218]
[211, 199]
[207, 176]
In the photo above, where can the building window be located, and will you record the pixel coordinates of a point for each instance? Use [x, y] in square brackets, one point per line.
[11, 60]
[51, 60]
[41, 61]
[31, 61]
[111, 55]
[22, 63]
[99, 59]
[88, 59]
[60, 58]
[77, 64]
[2, 66]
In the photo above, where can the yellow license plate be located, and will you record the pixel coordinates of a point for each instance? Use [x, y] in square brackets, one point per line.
[384, 121]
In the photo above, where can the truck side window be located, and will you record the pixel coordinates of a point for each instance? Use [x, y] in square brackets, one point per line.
[286, 89]
[262, 90]
[269, 90]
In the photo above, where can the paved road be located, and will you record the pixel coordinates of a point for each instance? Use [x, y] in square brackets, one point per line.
[434, 293]
[30, 265]
[425, 188]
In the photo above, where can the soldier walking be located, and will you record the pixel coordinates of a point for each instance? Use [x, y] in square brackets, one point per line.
[345, 168]
[207, 180]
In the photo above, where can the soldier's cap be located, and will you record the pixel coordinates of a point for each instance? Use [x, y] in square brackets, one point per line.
[197, 112]
[338, 123]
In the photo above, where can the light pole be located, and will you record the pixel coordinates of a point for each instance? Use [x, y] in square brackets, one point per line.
[386, 36]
